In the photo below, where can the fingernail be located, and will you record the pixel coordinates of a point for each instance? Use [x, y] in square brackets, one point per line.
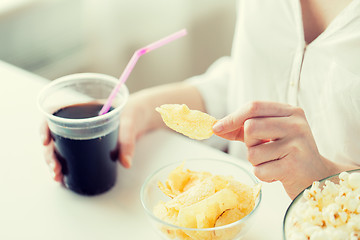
[52, 174]
[42, 138]
[218, 126]
[52, 165]
[127, 161]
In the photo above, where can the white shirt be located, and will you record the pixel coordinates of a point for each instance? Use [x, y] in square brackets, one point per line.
[270, 61]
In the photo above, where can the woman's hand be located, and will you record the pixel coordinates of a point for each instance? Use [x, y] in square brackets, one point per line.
[130, 128]
[279, 142]
[135, 120]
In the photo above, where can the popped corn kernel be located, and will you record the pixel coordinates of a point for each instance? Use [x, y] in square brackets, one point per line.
[354, 181]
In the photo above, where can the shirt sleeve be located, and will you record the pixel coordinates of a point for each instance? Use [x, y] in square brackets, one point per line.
[213, 86]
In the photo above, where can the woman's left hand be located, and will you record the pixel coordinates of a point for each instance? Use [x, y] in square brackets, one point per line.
[279, 142]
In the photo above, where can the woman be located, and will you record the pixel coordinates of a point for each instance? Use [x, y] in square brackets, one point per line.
[288, 98]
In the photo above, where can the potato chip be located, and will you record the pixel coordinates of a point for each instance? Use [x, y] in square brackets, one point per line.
[175, 183]
[245, 196]
[179, 181]
[195, 194]
[181, 235]
[220, 182]
[204, 221]
[203, 214]
[213, 206]
[192, 123]
[227, 217]
[195, 178]
[167, 214]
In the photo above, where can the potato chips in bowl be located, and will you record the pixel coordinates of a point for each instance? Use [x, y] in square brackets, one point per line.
[201, 199]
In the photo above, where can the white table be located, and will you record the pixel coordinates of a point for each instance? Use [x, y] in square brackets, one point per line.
[32, 206]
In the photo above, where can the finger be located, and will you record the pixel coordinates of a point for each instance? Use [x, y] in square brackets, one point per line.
[49, 154]
[56, 170]
[253, 110]
[56, 167]
[45, 133]
[237, 134]
[58, 177]
[280, 170]
[127, 139]
[266, 152]
[260, 130]
[52, 162]
[270, 171]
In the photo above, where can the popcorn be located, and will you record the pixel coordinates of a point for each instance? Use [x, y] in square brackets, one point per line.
[331, 211]
[354, 180]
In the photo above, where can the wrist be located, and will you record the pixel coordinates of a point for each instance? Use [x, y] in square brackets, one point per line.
[141, 108]
[142, 104]
[335, 168]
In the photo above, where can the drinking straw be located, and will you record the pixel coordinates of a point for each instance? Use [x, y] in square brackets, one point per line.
[129, 67]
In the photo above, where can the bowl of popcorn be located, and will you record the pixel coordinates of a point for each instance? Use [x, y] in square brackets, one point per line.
[328, 209]
[201, 199]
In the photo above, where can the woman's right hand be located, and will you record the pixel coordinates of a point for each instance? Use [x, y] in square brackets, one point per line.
[131, 127]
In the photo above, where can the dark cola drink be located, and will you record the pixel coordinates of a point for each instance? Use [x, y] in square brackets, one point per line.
[88, 164]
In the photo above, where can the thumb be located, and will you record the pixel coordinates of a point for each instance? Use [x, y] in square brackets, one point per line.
[230, 123]
[45, 133]
[236, 134]
[230, 127]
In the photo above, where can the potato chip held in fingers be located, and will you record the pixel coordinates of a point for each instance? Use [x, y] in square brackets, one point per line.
[192, 123]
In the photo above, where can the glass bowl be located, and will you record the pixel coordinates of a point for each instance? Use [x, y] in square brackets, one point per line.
[151, 195]
[293, 208]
